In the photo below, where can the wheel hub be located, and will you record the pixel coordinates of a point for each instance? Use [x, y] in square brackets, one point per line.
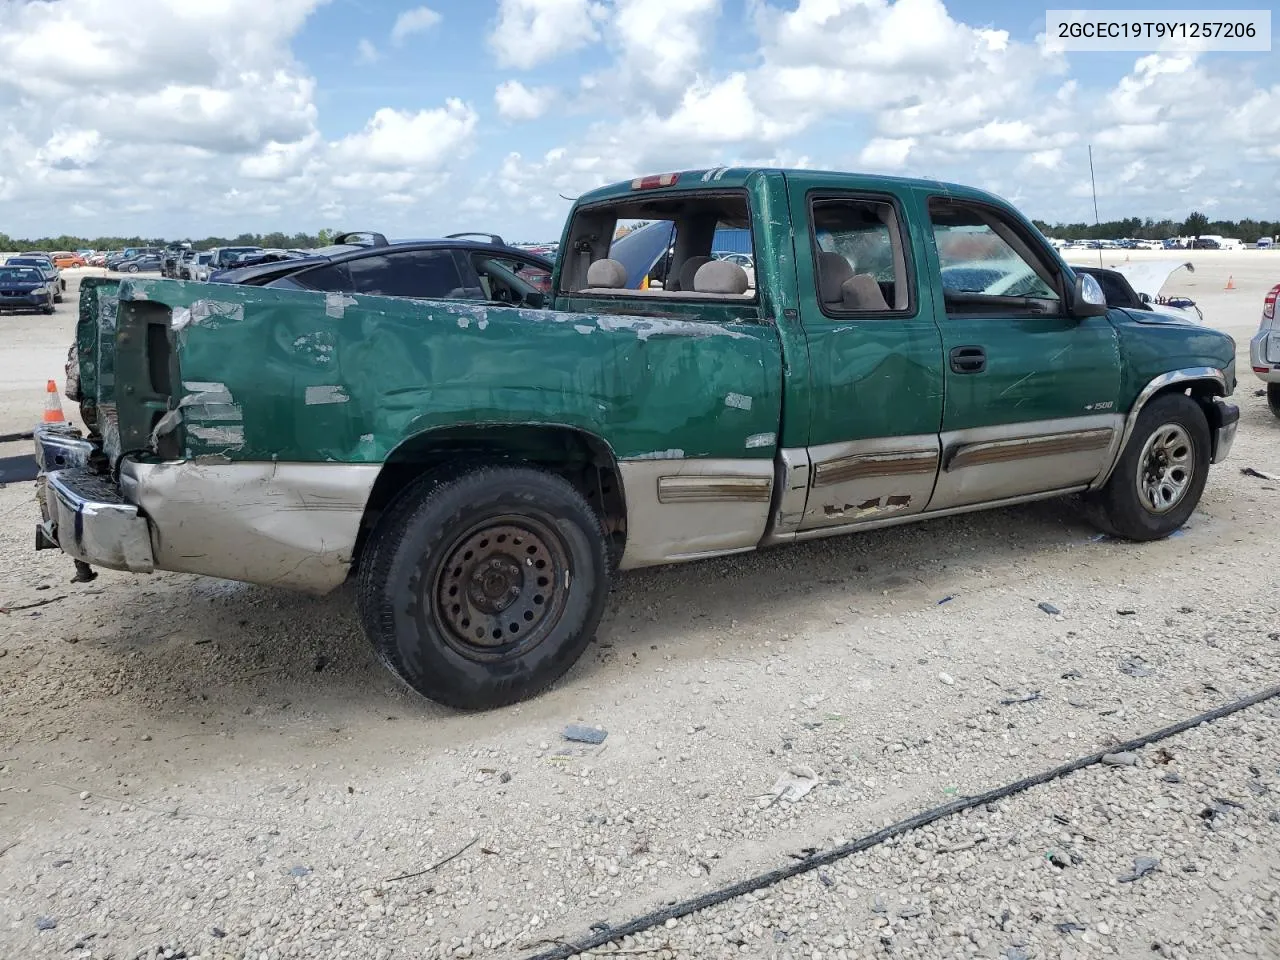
[501, 587]
[1165, 468]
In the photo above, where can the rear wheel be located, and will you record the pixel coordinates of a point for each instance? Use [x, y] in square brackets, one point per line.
[1157, 483]
[482, 590]
[1273, 398]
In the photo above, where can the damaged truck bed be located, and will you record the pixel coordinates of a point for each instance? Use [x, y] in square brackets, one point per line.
[910, 349]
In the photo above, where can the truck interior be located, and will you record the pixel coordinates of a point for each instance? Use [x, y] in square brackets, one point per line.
[687, 271]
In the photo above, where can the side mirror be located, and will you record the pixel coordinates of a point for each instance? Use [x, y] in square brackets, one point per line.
[535, 300]
[1087, 298]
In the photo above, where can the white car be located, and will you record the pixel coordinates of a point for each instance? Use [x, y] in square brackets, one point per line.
[201, 266]
[1264, 350]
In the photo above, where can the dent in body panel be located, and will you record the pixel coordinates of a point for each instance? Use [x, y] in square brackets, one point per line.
[286, 524]
[1018, 459]
[686, 509]
[864, 479]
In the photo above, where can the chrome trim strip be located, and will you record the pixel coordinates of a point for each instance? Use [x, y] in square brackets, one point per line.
[865, 466]
[1027, 448]
[1225, 436]
[1186, 375]
[91, 522]
[820, 532]
[713, 489]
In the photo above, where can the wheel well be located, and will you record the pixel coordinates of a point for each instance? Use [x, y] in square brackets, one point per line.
[1202, 392]
[584, 460]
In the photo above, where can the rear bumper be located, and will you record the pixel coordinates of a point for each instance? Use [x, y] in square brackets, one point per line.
[1264, 355]
[86, 517]
[1226, 423]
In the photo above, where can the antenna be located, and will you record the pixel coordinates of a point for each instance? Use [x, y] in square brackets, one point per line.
[1094, 183]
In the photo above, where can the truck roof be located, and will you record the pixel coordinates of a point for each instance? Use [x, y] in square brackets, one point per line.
[737, 177]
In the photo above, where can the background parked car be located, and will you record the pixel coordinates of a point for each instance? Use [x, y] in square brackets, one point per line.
[25, 288]
[145, 263]
[129, 253]
[170, 257]
[42, 263]
[63, 260]
[199, 267]
[452, 268]
[224, 257]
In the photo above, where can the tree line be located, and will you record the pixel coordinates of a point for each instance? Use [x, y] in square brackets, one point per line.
[1197, 224]
[284, 241]
[1136, 228]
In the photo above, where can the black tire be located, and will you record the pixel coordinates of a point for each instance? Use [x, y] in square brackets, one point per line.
[1273, 398]
[480, 538]
[1172, 435]
[57, 298]
[47, 311]
[133, 268]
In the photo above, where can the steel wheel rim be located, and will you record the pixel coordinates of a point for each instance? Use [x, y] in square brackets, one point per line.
[1166, 468]
[501, 587]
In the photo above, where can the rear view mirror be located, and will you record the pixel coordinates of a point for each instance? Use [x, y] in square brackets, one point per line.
[1087, 299]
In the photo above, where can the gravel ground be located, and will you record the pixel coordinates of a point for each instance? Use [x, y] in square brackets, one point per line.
[224, 770]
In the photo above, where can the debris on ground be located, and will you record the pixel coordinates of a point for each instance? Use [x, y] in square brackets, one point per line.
[1049, 608]
[1259, 474]
[948, 679]
[793, 785]
[1126, 759]
[578, 733]
[46, 923]
[1029, 698]
[1136, 667]
[1141, 867]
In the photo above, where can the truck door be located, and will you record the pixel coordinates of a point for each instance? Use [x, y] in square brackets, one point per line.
[1031, 391]
[875, 355]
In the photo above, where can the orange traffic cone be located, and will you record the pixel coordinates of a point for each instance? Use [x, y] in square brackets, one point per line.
[53, 404]
[1231, 283]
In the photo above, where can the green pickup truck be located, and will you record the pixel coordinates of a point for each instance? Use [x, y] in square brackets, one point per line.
[910, 349]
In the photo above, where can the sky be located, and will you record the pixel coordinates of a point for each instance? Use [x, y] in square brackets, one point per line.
[179, 118]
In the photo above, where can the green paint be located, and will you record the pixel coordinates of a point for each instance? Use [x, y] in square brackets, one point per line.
[247, 373]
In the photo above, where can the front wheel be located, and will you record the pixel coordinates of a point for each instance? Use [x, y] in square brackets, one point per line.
[1273, 398]
[1157, 483]
[133, 268]
[484, 589]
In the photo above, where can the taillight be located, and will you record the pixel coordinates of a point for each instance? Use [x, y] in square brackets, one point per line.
[654, 182]
[1269, 304]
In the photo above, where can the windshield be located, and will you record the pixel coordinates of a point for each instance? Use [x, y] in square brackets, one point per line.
[20, 275]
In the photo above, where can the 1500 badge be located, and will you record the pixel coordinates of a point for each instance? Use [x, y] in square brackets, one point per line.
[1104, 405]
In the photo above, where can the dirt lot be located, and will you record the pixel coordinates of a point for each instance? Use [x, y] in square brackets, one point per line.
[218, 770]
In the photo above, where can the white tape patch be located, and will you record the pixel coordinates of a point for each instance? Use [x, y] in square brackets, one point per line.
[661, 455]
[761, 440]
[738, 401]
[335, 305]
[228, 435]
[319, 395]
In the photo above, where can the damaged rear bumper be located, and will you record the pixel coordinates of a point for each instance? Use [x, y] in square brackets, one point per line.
[85, 515]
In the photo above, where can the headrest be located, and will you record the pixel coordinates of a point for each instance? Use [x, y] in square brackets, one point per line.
[862, 292]
[720, 276]
[607, 273]
[688, 270]
[833, 271]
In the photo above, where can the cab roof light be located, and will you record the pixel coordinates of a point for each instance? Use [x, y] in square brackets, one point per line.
[654, 182]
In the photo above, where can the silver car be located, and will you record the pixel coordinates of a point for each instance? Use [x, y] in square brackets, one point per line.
[1264, 350]
[200, 266]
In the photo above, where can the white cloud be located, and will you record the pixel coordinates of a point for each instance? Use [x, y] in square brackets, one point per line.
[400, 139]
[417, 20]
[662, 42]
[366, 52]
[884, 153]
[515, 101]
[530, 32]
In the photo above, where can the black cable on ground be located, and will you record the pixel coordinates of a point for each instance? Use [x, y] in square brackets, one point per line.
[11, 437]
[759, 882]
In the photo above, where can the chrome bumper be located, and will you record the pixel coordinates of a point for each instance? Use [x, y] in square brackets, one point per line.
[87, 518]
[1224, 435]
[83, 512]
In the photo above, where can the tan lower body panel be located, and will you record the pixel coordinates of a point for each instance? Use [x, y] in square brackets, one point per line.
[686, 509]
[1020, 459]
[290, 524]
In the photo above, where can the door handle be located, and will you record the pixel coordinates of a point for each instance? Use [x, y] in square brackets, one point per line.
[968, 359]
